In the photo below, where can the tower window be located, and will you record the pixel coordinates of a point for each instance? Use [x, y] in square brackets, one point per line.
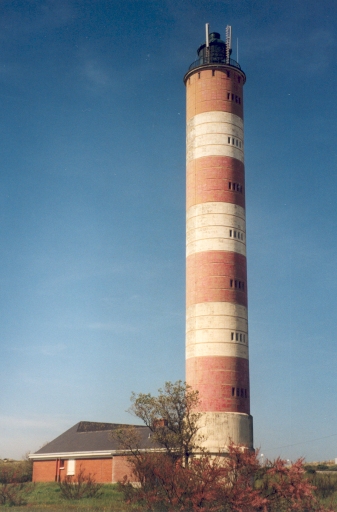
[233, 391]
[232, 97]
[237, 337]
[213, 72]
[229, 140]
[231, 283]
[232, 141]
[228, 96]
[230, 232]
[237, 391]
[232, 336]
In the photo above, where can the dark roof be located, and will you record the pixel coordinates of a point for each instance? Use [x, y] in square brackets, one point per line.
[88, 436]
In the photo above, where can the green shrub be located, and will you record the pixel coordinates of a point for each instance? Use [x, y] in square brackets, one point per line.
[83, 486]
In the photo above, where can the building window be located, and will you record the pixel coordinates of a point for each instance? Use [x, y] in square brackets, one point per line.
[213, 72]
[71, 467]
[232, 336]
[229, 140]
[228, 96]
[231, 283]
[233, 391]
[61, 463]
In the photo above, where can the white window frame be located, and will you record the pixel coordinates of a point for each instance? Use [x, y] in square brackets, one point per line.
[70, 467]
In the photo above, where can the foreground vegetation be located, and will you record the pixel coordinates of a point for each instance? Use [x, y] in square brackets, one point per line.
[172, 479]
[47, 496]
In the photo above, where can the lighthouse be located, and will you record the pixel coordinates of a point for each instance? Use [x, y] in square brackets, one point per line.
[217, 342]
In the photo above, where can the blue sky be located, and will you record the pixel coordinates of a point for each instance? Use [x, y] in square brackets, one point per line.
[92, 211]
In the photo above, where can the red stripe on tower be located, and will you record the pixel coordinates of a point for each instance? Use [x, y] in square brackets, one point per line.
[216, 269]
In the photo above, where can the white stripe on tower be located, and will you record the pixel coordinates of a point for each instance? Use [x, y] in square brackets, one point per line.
[216, 276]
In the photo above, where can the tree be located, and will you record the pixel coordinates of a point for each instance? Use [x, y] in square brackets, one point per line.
[172, 418]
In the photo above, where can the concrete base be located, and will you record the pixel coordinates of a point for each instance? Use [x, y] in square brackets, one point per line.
[219, 429]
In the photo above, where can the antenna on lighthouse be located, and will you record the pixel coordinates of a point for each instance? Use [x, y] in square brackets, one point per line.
[207, 35]
[228, 42]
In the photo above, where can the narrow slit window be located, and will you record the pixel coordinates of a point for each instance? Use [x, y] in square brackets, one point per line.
[240, 337]
[228, 96]
[213, 72]
[237, 391]
[237, 337]
[233, 141]
[232, 336]
[236, 142]
[232, 97]
[236, 283]
[229, 140]
[234, 234]
[230, 232]
[231, 283]
[230, 185]
[233, 391]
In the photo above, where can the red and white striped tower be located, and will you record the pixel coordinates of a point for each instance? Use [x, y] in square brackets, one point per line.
[216, 282]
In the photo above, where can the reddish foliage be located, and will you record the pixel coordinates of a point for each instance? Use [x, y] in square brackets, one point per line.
[236, 483]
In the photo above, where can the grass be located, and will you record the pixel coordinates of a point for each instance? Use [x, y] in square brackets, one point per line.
[47, 497]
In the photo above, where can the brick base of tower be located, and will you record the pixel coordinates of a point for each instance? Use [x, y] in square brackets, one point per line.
[219, 429]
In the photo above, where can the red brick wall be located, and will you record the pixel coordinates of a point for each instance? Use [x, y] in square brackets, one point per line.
[44, 470]
[209, 275]
[120, 469]
[216, 378]
[210, 92]
[208, 178]
[104, 470]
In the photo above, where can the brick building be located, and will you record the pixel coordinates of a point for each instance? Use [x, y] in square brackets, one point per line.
[90, 446]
